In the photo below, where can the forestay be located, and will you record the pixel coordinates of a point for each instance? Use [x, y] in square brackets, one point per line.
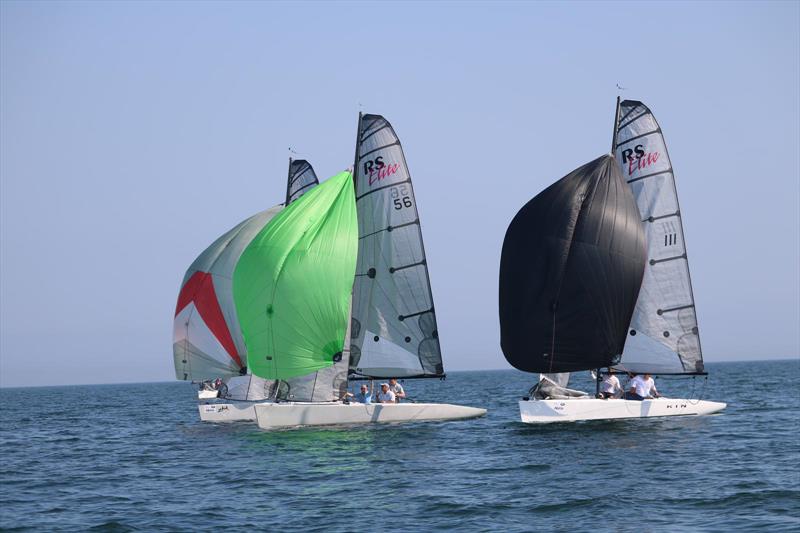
[570, 271]
[301, 179]
[663, 336]
[293, 282]
[394, 331]
[207, 339]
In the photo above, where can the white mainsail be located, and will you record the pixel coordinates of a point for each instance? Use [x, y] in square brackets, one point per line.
[663, 336]
[394, 332]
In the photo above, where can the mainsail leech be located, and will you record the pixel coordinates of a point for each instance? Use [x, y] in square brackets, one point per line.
[663, 336]
[394, 331]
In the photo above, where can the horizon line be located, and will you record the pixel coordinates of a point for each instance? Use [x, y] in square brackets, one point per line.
[789, 358]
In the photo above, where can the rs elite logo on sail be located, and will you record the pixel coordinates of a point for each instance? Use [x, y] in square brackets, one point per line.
[376, 169]
[637, 159]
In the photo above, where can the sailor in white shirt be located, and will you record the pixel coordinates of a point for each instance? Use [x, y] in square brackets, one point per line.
[610, 387]
[385, 395]
[397, 389]
[642, 388]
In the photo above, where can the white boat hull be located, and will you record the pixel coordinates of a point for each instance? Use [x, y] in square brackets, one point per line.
[230, 411]
[549, 411]
[284, 415]
[207, 394]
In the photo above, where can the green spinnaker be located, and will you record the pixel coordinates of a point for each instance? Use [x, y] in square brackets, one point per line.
[292, 285]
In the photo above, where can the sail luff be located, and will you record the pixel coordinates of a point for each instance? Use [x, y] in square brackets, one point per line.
[300, 180]
[616, 125]
[288, 182]
[355, 158]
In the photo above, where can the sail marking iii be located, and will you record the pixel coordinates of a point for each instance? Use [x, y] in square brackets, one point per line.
[663, 335]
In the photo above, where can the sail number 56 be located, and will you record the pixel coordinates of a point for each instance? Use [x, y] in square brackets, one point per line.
[400, 197]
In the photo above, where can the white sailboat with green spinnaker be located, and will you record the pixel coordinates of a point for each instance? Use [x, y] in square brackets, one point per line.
[293, 285]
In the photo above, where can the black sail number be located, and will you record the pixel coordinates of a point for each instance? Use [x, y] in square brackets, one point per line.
[400, 197]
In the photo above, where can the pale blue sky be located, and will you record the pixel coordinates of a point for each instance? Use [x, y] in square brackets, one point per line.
[133, 134]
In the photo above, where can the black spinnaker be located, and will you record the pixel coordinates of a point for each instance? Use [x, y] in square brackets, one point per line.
[571, 267]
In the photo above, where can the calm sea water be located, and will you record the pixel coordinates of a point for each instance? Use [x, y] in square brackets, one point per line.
[135, 457]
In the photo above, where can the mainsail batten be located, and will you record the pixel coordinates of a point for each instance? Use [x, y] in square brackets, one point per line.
[394, 330]
[663, 336]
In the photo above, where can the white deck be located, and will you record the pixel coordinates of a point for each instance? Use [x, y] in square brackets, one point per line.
[549, 411]
[283, 415]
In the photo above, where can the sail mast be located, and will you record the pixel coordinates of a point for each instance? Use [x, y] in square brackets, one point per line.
[355, 160]
[288, 181]
[616, 125]
[348, 338]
